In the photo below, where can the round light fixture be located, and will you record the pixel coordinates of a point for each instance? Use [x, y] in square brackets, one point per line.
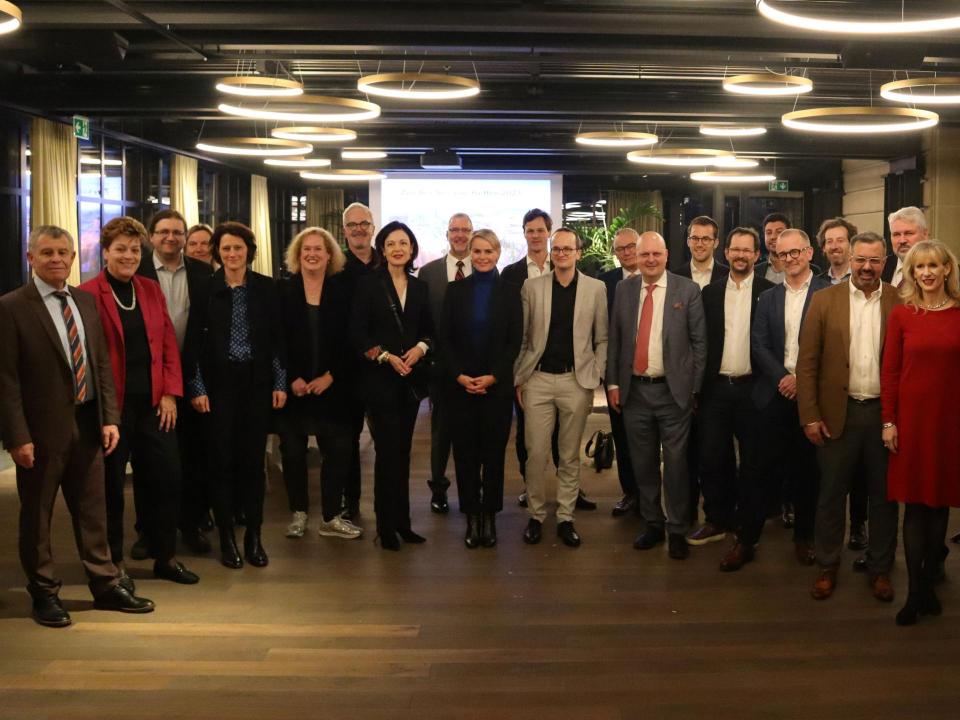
[10, 17]
[336, 110]
[736, 162]
[257, 86]
[878, 120]
[617, 139]
[767, 84]
[255, 147]
[419, 86]
[678, 157]
[343, 175]
[362, 154]
[731, 176]
[893, 91]
[732, 130]
[297, 162]
[308, 133]
[858, 27]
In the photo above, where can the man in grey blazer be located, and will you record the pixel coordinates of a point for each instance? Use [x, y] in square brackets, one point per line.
[561, 362]
[655, 365]
[453, 266]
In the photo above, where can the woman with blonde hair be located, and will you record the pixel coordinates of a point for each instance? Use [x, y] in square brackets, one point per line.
[921, 352]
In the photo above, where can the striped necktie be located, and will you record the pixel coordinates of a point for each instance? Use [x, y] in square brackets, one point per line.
[459, 275]
[76, 349]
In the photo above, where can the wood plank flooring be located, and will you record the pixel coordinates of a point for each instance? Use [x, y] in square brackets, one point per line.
[341, 629]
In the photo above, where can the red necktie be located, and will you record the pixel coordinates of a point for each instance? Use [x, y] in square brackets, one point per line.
[459, 275]
[640, 354]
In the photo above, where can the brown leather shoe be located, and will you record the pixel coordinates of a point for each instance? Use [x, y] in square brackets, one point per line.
[740, 554]
[805, 553]
[825, 585]
[881, 587]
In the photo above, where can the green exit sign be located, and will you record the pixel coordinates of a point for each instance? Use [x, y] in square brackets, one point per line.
[779, 185]
[81, 127]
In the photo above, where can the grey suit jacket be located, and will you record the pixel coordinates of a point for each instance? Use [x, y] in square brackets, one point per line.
[434, 274]
[589, 328]
[684, 337]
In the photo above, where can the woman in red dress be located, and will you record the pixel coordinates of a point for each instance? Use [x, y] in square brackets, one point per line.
[921, 420]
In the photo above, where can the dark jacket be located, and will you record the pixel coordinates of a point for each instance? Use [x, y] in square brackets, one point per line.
[516, 273]
[718, 272]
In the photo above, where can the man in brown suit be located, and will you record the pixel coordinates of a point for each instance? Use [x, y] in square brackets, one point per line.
[838, 397]
[57, 408]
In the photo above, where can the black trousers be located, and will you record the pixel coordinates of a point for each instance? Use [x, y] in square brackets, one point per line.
[440, 440]
[392, 420]
[240, 408]
[357, 414]
[155, 458]
[480, 426]
[333, 439]
[196, 495]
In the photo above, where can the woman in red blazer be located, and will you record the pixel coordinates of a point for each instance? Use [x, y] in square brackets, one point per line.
[147, 376]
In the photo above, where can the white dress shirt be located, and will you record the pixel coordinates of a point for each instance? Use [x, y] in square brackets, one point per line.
[701, 277]
[52, 303]
[177, 294]
[864, 344]
[533, 270]
[655, 347]
[737, 303]
[897, 274]
[452, 267]
[793, 316]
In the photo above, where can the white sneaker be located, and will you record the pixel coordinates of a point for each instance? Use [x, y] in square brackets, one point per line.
[338, 527]
[298, 525]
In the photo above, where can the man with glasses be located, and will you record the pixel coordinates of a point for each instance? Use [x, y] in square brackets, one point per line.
[453, 266]
[908, 226]
[182, 279]
[838, 396]
[702, 239]
[561, 362]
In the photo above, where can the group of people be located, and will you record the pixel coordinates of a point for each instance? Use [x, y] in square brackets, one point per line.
[758, 385]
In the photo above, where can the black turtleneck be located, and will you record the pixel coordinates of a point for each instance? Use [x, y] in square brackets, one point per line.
[135, 345]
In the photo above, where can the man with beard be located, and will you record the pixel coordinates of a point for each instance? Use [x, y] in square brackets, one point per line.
[834, 239]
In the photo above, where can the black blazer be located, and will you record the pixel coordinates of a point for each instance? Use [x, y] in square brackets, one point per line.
[889, 268]
[504, 334]
[718, 272]
[372, 323]
[611, 278]
[516, 273]
[335, 355]
[714, 301]
[213, 312]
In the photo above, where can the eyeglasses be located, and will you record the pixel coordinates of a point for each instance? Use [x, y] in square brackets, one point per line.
[872, 262]
[701, 239]
[630, 247]
[365, 225]
[563, 250]
[168, 233]
[794, 254]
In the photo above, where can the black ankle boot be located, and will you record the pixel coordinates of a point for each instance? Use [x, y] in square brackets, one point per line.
[409, 536]
[472, 539]
[252, 549]
[908, 613]
[229, 554]
[488, 530]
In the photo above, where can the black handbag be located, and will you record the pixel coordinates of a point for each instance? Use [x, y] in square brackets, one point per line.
[416, 381]
[600, 447]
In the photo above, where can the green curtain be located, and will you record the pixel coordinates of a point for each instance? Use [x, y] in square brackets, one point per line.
[618, 200]
[325, 209]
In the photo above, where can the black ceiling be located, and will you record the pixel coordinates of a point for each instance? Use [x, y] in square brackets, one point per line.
[547, 69]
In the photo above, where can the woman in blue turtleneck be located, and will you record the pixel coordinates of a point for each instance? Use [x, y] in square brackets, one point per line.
[481, 330]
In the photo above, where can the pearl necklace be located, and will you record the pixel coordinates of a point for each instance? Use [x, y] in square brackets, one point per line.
[133, 305]
[938, 305]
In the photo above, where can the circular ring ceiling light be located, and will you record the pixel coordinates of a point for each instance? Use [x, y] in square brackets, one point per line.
[736, 162]
[892, 91]
[257, 86]
[678, 157]
[730, 176]
[858, 27]
[419, 86]
[255, 147]
[297, 162]
[617, 139]
[343, 175]
[336, 110]
[879, 120]
[771, 84]
[310, 133]
[732, 130]
[362, 154]
[10, 17]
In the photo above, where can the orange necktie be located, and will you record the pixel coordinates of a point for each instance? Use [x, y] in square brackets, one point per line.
[640, 354]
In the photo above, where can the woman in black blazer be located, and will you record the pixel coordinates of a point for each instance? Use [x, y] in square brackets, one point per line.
[241, 375]
[391, 327]
[314, 307]
[481, 334]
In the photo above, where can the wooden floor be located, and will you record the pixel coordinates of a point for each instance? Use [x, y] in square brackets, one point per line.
[341, 629]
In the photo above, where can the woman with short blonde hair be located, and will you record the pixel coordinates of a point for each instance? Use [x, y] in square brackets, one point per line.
[337, 258]
[921, 252]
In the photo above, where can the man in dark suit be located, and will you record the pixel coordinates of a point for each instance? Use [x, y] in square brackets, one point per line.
[702, 239]
[58, 415]
[655, 364]
[774, 345]
[770, 268]
[908, 226]
[452, 266]
[182, 280]
[726, 410]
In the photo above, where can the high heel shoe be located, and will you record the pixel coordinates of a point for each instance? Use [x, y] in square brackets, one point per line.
[387, 539]
[908, 613]
[229, 553]
[409, 536]
[488, 530]
[472, 538]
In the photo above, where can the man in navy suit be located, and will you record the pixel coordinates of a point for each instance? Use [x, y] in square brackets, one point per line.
[774, 345]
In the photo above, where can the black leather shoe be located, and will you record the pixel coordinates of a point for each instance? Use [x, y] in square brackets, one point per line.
[388, 540]
[569, 534]
[522, 499]
[858, 537]
[860, 564]
[175, 573]
[252, 548]
[583, 503]
[140, 550]
[196, 541]
[410, 537]
[49, 612]
[126, 582]
[648, 539]
[472, 538]
[488, 530]
[117, 598]
[677, 547]
[624, 506]
[438, 502]
[533, 533]
[229, 553]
